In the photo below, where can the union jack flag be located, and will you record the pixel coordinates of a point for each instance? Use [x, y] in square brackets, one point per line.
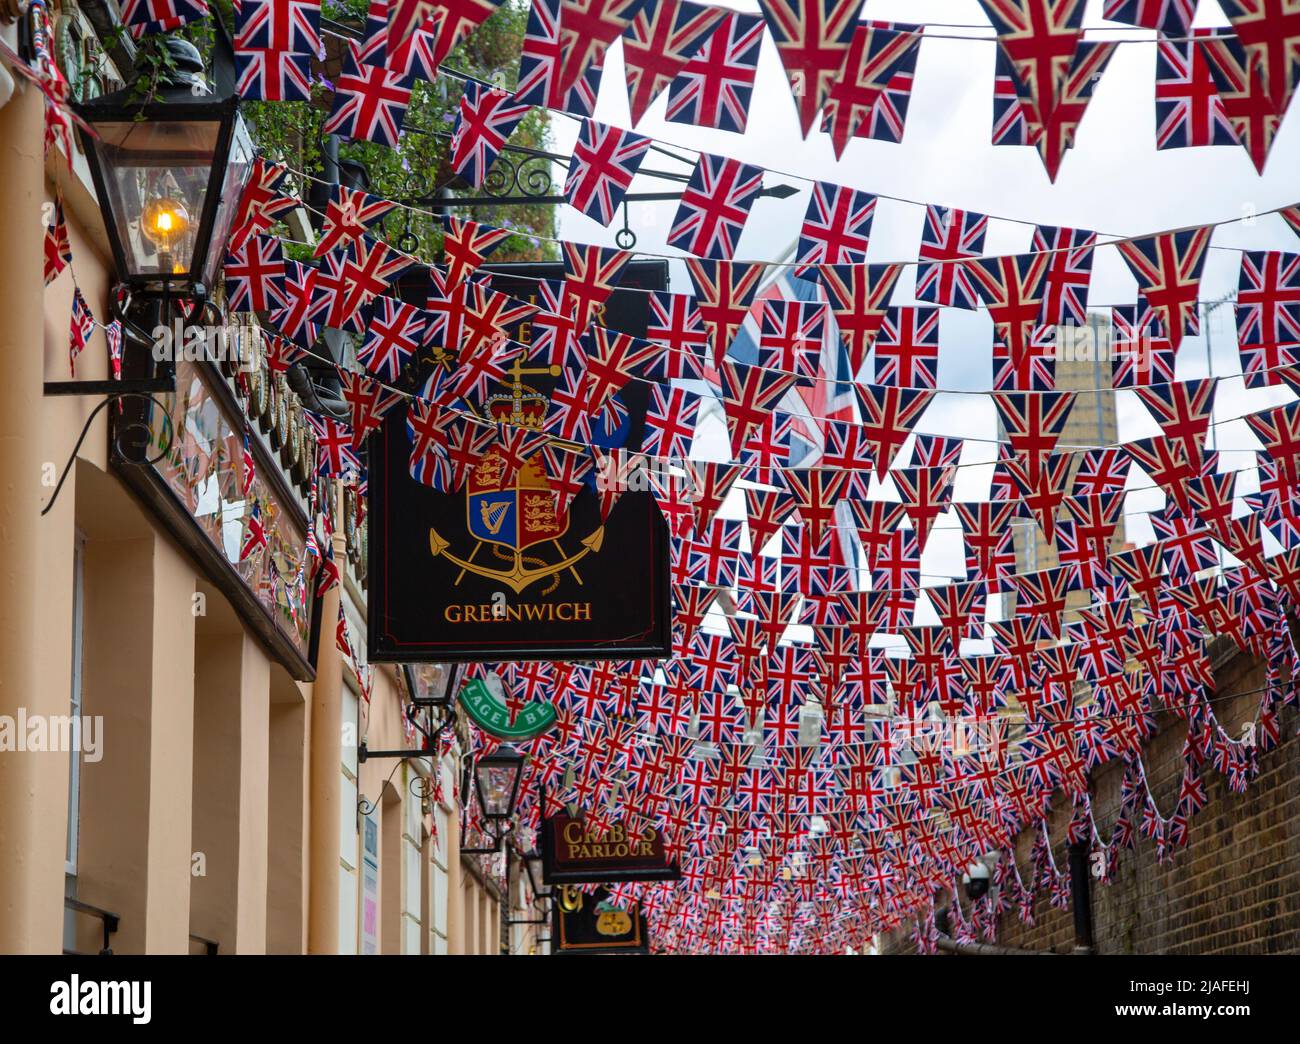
[1100, 471]
[859, 301]
[587, 28]
[1069, 269]
[294, 319]
[1041, 485]
[1059, 128]
[368, 267]
[907, 347]
[1279, 430]
[1167, 465]
[714, 88]
[723, 292]
[889, 413]
[1013, 287]
[663, 37]
[675, 323]
[347, 215]
[926, 493]
[949, 234]
[428, 463]
[751, 393]
[1040, 38]
[369, 401]
[260, 202]
[255, 276]
[393, 335]
[1033, 422]
[58, 250]
[670, 422]
[812, 38]
[1170, 17]
[265, 75]
[1140, 353]
[465, 245]
[146, 17]
[449, 21]
[935, 451]
[369, 102]
[278, 25]
[714, 206]
[1244, 94]
[1189, 111]
[81, 328]
[541, 63]
[590, 273]
[881, 59]
[712, 554]
[836, 227]
[791, 335]
[1268, 298]
[1010, 116]
[1183, 410]
[1185, 545]
[990, 552]
[1168, 268]
[485, 118]
[334, 455]
[1269, 31]
[254, 535]
[605, 160]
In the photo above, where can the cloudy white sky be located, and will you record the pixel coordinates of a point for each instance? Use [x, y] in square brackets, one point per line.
[1113, 181]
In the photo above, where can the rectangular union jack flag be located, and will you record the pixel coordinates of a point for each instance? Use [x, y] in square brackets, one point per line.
[394, 333]
[663, 37]
[714, 207]
[906, 350]
[812, 38]
[278, 25]
[881, 57]
[587, 28]
[675, 323]
[836, 227]
[949, 234]
[1189, 111]
[81, 327]
[266, 75]
[146, 17]
[1140, 353]
[791, 335]
[255, 276]
[448, 21]
[1268, 298]
[714, 88]
[369, 102]
[1168, 270]
[541, 62]
[605, 160]
[1069, 270]
[485, 119]
[347, 215]
[670, 422]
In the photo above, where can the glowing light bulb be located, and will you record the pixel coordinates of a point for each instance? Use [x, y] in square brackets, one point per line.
[164, 222]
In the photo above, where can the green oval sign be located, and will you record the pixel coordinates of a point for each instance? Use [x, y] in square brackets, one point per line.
[493, 717]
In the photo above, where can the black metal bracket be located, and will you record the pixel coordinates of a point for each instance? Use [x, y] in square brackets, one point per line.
[114, 391]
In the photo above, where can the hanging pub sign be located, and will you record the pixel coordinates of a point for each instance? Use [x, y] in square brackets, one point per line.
[593, 923]
[572, 853]
[493, 571]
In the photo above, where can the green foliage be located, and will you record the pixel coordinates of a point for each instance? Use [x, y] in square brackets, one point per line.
[290, 132]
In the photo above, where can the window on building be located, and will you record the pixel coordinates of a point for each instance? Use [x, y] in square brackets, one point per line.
[348, 857]
[438, 897]
[412, 835]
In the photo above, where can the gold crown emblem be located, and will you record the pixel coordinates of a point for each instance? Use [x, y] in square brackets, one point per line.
[523, 407]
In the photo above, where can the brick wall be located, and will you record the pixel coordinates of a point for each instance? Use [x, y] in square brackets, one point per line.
[1235, 888]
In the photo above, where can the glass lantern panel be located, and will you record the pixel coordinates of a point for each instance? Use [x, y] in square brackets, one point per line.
[239, 165]
[157, 175]
[497, 783]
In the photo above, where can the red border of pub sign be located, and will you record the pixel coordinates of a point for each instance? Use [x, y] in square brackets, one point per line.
[572, 854]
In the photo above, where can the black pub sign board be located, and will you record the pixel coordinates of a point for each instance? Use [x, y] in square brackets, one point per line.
[490, 571]
[590, 922]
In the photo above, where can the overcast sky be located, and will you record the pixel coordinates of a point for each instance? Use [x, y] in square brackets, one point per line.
[1113, 181]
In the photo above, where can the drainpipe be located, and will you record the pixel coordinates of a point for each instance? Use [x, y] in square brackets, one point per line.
[1081, 898]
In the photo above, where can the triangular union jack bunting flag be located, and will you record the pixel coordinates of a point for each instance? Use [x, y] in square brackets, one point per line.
[451, 21]
[1168, 270]
[58, 249]
[723, 293]
[926, 493]
[590, 273]
[710, 483]
[888, 415]
[1269, 31]
[369, 401]
[1166, 464]
[1040, 38]
[663, 37]
[1058, 130]
[1012, 287]
[1183, 410]
[751, 393]
[949, 234]
[816, 492]
[612, 358]
[812, 38]
[714, 88]
[1042, 488]
[1243, 93]
[369, 102]
[836, 227]
[878, 52]
[605, 160]
[1033, 421]
[1279, 430]
[1170, 17]
[260, 202]
[464, 247]
[485, 118]
[714, 206]
[587, 27]
[859, 296]
[347, 215]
